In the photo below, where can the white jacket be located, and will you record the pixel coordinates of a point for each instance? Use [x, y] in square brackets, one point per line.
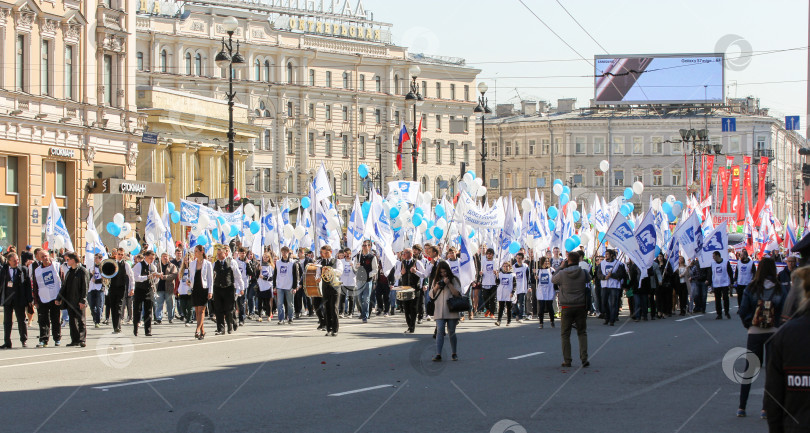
[207, 274]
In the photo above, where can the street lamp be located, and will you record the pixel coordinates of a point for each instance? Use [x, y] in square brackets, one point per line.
[483, 109]
[415, 99]
[227, 59]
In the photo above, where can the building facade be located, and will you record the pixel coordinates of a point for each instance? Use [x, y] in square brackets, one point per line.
[531, 148]
[325, 86]
[67, 113]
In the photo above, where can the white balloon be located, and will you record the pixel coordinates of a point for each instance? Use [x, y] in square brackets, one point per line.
[333, 224]
[150, 238]
[585, 238]
[671, 199]
[657, 204]
[442, 224]
[248, 238]
[572, 205]
[604, 165]
[482, 191]
[124, 243]
[558, 189]
[300, 232]
[59, 242]
[126, 228]
[289, 231]
[91, 236]
[118, 219]
[249, 210]
[197, 229]
[468, 179]
[428, 197]
[676, 209]
[638, 187]
[204, 221]
[132, 244]
[479, 182]
[463, 186]
[226, 229]
[396, 223]
[526, 205]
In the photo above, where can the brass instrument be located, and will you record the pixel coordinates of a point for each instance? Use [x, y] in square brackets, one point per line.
[108, 270]
[329, 276]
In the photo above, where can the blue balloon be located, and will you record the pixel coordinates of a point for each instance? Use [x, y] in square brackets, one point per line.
[362, 170]
[431, 223]
[552, 212]
[136, 251]
[439, 211]
[472, 173]
[671, 216]
[564, 199]
[570, 244]
[438, 232]
[628, 193]
[472, 233]
[113, 229]
[221, 220]
[551, 225]
[234, 231]
[576, 239]
[215, 233]
[657, 250]
[171, 207]
[254, 227]
[679, 203]
[556, 181]
[624, 210]
[566, 190]
[202, 240]
[429, 234]
[514, 247]
[576, 215]
[366, 208]
[305, 202]
[394, 212]
[419, 211]
[601, 237]
[632, 224]
[666, 207]
[631, 206]
[175, 216]
[417, 219]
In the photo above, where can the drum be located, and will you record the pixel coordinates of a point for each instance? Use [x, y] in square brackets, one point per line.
[312, 281]
[361, 277]
[405, 293]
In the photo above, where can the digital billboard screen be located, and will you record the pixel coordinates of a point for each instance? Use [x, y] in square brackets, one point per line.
[659, 79]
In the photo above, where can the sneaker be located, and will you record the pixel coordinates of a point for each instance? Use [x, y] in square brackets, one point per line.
[507, 323]
[385, 315]
[497, 323]
[428, 318]
[540, 327]
[289, 322]
[763, 414]
[419, 322]
[97, 326]
[187, 324]
[170, 321]
[106, 322]
[57, 343]
[280, 322]
[365, 320]
[740, 413]
[454, 357]
[259, 319]
[42, 344]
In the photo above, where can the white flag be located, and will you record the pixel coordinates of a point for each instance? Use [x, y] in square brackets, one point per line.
[92, 248]
[321, 185]
[356, 228]
[55, 226]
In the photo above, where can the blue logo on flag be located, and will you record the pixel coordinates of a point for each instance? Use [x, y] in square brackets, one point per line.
[404, 186]
[646, 240]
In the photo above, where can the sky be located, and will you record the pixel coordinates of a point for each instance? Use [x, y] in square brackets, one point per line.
[520, 58]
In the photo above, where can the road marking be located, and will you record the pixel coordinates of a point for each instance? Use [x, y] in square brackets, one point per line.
[710, 312]
[687, 318]
[527, 355]
[138, 382]
[671, 380]
[341, 394]
[623, 333]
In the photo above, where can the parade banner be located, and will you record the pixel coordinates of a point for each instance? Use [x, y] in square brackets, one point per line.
[714, 241]
[646, 239]
[472, 214]
[403, 190]
[620, 236]
[688, 236]
[55, 226]
[321, 185]
[762, 171]
[736, 205]
[720, 191]
[706, 180]
[747, 185]
[190, 213]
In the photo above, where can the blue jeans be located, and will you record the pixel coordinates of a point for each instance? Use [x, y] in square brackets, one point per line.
[451, 332]
[700, 294]
[166, 297]
[95, 300]
[614, 302]
[519, 310]
[284, 303]
[392, 296]
[251, 299]
[362, 299]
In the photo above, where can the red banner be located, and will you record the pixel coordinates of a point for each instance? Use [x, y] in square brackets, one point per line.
[763, 170]
[748, 186]
[720, 191]
[736, 204]
[707, 178]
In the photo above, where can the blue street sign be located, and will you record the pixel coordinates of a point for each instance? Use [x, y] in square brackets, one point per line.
[729, 124]
[792, 123]
[150, 138]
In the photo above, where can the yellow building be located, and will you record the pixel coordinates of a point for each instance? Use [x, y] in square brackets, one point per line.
[67, 113]
[191, 153]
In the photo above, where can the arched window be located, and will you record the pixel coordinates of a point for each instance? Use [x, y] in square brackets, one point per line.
[344, 183]
[164, 61]
[451, 187]
[139, 57]
[188, 64]
[346, 80]
[290, 183]
[396, 84]
[198, 61]
[424, 183]
[438, 152]
[257, 70]
[289, 73]
[267, 70]
[438, 191]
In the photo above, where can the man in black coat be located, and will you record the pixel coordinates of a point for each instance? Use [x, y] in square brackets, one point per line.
[17, 296]
[73, 298]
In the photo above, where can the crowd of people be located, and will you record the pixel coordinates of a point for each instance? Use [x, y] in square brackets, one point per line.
[232, 286]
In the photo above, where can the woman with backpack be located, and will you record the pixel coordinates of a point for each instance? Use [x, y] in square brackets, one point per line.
[760, 311]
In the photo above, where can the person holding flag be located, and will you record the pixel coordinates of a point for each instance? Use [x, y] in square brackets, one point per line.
[721, 280]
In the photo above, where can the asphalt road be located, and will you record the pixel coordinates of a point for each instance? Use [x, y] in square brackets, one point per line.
[658, 376]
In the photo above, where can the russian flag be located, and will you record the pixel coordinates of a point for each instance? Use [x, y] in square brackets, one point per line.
[403, 137]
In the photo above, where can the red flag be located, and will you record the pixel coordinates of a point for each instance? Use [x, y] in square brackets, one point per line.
[747, 185]
[419, 135]
[763, 170]
[236, 195]
[720, 190]
[736, 205]
[706, 182]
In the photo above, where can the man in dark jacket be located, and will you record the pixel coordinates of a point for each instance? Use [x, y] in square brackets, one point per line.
[73, 298]
[17, 296]
[572, 282]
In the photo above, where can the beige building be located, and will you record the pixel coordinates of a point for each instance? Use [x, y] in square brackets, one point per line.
[67, 113]
[324, 86]
[191, 153]
[532, 147]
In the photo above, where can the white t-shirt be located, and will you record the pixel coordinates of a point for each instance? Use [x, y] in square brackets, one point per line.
[48, 282]
[521, 278]
[348, 278]
[183, 288]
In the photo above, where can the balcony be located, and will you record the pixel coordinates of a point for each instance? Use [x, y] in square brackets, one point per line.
[759, 153]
